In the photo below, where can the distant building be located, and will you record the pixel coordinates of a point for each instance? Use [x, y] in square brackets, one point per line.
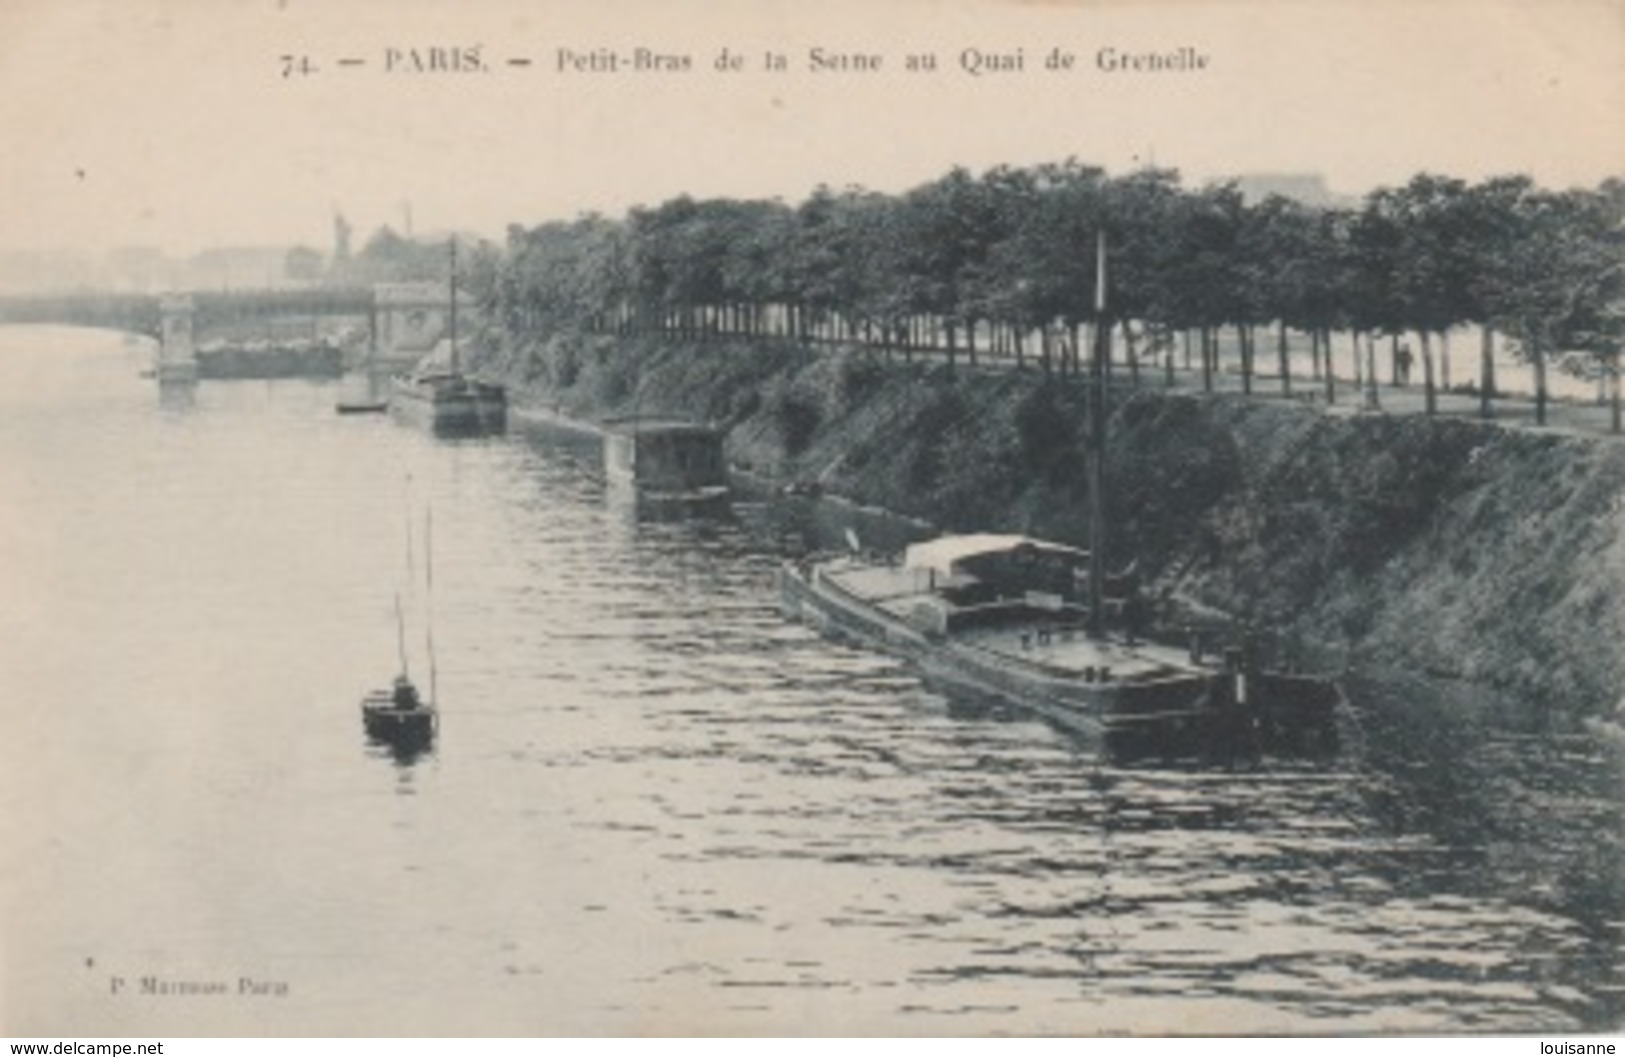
[139, 269]
[1308, 188]
[235, 268]
[34, 271]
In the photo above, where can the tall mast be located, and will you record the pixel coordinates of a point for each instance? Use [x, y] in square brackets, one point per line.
[1097, 449]
[400, 635]
[411, 575]
[452, 312]
[428, 598]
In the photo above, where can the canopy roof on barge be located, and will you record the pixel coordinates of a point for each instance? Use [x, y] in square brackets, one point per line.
[946, 554]
[634, 425]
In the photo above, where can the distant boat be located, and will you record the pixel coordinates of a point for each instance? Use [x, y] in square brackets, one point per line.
[450, 403]
[361, 407]
[666, 461]
[444, 399]
[399, 716]
[359, 395]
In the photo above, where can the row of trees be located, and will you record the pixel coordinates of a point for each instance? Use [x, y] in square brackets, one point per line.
[1003, 264]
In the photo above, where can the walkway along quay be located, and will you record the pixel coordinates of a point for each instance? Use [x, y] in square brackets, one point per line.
[1368, 372]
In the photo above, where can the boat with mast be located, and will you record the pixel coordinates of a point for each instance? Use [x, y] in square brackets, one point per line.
[440, 395]
[1045, 627]
[400, 716]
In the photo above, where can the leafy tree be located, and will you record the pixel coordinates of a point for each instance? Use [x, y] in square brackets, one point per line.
[1557, 285]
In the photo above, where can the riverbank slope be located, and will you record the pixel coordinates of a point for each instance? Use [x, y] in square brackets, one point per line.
[1456, 549]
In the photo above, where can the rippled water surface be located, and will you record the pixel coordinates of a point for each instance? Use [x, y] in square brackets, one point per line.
[654, 805]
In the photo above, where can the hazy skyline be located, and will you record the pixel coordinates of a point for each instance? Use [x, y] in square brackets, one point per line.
[169, 123]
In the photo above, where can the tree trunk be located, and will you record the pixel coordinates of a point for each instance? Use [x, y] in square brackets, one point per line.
[1168, 358]
[1321, 339]
[1427, 371]
[1613, 389]
[1132, 351]
[953, 345]
[1371, 401]
[1359, 372]
[1539, 349]
[1486, 371]
[1185, 342]
[1281, 354]
[1444, 360]
[1206, 335]
[1244, 336]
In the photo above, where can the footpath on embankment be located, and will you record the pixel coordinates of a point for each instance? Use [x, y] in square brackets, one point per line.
[1443, 546]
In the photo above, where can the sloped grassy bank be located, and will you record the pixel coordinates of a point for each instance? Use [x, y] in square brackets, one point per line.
[1447, 548]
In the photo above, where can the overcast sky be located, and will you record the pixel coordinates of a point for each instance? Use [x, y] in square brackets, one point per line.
[169, 122]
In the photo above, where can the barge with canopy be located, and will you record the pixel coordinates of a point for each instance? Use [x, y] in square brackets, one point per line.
[1006, 616]
[1043, 626]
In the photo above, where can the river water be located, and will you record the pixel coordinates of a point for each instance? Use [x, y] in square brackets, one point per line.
[654, 805]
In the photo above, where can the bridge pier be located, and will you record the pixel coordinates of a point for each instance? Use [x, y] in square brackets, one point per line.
[177, 352]
[409, 321]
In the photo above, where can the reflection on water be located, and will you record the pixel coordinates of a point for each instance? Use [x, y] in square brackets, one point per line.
[402, 750]
[177, 397]
[654, 805]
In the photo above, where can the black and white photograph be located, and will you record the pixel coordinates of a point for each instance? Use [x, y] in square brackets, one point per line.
[918, 518]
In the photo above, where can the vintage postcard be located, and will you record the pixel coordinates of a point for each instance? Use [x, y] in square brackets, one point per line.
[922, 517]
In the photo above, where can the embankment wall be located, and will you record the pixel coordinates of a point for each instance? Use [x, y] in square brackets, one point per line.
[1457, 549]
